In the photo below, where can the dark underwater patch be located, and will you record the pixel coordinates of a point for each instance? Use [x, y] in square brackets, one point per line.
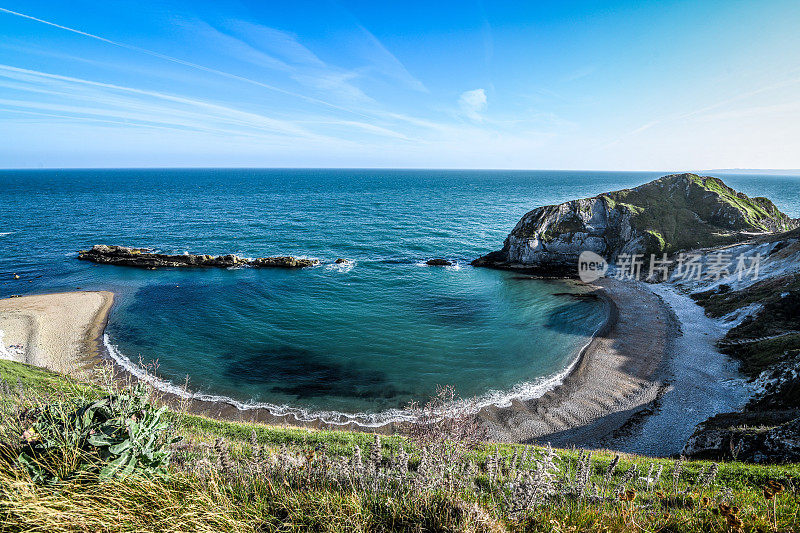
[307, 374]
[125, 332]
[570, 317]
[456, 310]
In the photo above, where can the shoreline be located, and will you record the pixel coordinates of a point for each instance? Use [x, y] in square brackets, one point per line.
[702, 383]
[58, 331]
[615, 381]
[222, 407]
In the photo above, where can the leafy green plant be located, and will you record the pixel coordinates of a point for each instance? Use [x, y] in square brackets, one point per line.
[114, 436]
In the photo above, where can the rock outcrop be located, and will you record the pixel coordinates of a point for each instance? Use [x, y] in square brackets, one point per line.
[676, 212]
[438, 262]
[735, 436]
[145, 258]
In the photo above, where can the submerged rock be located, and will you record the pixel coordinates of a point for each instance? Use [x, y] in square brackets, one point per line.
[145, 258]
[676, 212]
[341, 261]
[438, 262]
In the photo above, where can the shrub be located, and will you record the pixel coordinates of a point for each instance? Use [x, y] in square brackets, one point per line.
[114, 436]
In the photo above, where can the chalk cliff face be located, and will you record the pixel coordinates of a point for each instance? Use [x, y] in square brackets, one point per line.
[676, 212]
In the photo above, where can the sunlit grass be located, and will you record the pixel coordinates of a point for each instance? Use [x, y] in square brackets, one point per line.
[231, 476]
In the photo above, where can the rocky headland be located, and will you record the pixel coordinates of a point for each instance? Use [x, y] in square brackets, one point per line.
[673, 213]
[756, 318]
[146, 258]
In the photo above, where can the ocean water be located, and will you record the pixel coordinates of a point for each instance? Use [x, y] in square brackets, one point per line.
[337, 341]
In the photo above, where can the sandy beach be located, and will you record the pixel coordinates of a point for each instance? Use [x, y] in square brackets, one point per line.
[619, 375]
[56, 331]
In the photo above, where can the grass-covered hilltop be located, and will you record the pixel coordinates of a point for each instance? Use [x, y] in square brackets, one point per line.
[97, 456]
[672, 213]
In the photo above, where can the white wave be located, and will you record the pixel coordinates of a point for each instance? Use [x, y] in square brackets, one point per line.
[11, 353]
[342, 268]
[4, 233]
[454, 266]
[523, 391]
[4, 353]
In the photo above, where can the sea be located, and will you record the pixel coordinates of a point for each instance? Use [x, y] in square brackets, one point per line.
[342, 342]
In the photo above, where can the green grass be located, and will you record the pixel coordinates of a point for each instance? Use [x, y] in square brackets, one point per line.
[679, 219]
[735, 474]
[43, 381]
[677, 212]
[779, 298]
[199, 496]
[758, 356]
[765, 291]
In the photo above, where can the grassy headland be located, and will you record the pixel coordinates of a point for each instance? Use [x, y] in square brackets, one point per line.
[688, 211]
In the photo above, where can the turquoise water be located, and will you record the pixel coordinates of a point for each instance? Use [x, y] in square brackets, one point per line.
[367, 339]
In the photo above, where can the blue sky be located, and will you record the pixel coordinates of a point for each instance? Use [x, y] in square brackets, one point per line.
[664, 85]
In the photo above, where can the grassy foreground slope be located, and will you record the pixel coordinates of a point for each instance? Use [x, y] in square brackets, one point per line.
[229, 476]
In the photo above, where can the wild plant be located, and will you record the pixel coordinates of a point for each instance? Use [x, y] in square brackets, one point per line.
[583, 472]
[375, 454]
[711, 474]
[630, 475]
[530, 488]
[115, 436]
[609, 474]
[677, 469]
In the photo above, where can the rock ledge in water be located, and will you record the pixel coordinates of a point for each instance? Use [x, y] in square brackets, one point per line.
[438, 262]
[145, 258]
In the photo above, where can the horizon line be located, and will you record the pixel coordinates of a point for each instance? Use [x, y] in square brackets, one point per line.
[476, 169]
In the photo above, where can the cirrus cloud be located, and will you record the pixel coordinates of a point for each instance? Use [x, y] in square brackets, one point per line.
[472, 103]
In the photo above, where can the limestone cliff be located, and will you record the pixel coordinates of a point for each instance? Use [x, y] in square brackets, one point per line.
[675, 212]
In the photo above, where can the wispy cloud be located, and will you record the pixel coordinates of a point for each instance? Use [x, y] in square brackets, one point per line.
[183, 62]
[343, 120]
[96, 101]
[279, 51]
[473, 103]
[712, 112]
[282, 44]
[137, 104]
[387, 63]
[377, 56]
[580, 73]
